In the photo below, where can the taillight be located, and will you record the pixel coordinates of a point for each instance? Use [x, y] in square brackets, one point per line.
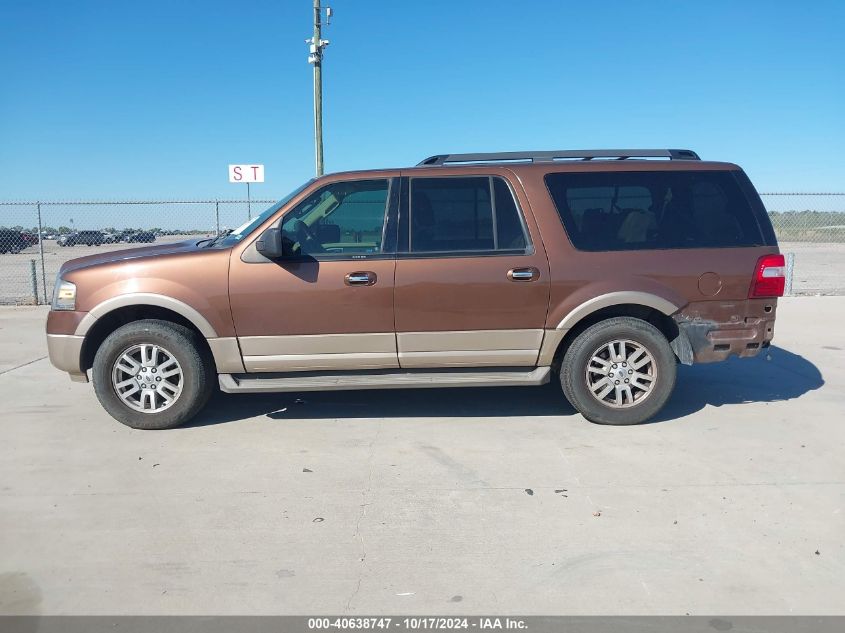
[769, 277]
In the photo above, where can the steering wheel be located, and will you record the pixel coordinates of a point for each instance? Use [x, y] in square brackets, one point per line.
[305, 235]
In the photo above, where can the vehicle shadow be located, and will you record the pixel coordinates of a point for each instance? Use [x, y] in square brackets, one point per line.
[786, 376]
[389, 403]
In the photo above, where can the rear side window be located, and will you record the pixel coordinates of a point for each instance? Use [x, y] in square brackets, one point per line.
[461, 214]
[618, 211]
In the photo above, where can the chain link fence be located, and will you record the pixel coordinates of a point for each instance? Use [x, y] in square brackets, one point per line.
[36, 238]
[811, 232]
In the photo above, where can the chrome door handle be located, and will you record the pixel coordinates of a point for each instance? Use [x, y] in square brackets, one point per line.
[523, 274]
[360, 278]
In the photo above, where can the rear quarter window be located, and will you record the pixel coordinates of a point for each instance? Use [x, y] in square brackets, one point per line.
[618, 211]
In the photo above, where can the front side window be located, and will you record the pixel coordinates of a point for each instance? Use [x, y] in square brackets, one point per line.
[343, 218]
[617, 211]
[249, 226]
[463, 214]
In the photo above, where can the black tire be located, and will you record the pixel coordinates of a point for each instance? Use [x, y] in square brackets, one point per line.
[575, 363]
[198, 372]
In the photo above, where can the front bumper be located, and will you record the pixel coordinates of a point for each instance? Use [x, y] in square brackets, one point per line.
[65, 352]
[712, 331]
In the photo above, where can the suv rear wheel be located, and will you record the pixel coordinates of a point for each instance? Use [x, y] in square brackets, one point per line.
[619, 371]
[152, 374]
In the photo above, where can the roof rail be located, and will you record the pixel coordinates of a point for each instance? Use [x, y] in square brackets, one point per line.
[565, 154]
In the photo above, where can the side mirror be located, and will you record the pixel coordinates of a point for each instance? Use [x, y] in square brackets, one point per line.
[269, 243]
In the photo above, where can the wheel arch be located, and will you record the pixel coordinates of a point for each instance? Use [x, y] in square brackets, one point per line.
[107, 322]
[640, 305]
[146, 300]
[611, 300]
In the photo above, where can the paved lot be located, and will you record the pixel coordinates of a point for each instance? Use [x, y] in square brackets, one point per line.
[464, 501]
[16, 268]
[819, 268]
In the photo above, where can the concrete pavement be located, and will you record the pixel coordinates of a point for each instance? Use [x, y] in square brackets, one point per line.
[454, 502]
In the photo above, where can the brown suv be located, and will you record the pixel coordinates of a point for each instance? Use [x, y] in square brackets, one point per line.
[600, 267]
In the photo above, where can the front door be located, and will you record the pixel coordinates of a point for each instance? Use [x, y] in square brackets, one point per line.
[328, 305]
[472, 282]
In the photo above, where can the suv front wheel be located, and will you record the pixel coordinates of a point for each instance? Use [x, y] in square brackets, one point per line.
[153, 374]
[619, 371]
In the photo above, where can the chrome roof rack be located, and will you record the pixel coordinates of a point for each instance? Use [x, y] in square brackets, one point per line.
[564, 154]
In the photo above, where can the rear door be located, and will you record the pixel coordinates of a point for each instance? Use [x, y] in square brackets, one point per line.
[472, 279]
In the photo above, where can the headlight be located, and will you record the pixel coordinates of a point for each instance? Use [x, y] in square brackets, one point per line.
[64, 295]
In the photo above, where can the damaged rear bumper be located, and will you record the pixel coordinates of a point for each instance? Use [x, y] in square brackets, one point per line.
[710, 331]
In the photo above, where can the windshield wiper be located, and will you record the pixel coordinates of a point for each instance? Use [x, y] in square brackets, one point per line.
[220, 236]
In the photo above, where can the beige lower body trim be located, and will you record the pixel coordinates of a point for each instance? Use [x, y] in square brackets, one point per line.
[474, 358]
[551, 341]
[320, 362]
[480, 348]
[65, 351]
[474, 348]
[384, 342]
[319, 352]
[227, 355]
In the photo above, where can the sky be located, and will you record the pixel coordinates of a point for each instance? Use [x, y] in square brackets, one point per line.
[120, 99]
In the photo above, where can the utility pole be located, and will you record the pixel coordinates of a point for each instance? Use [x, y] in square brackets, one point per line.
[315, 57]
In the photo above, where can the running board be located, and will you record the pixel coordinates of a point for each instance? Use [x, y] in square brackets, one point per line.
[313, 381]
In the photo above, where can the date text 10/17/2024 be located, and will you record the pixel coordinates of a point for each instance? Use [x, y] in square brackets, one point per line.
[417, 623]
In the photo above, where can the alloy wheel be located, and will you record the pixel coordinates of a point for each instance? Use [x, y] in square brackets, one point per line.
[147, 378]
[621, 374]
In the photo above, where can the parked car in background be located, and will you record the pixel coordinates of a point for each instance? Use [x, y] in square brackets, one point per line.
[30, 238]
[599, 269]
[86, 238]
[141, 237]
[12, 241]
[127, 235]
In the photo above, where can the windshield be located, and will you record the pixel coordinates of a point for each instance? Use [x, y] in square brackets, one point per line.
[247, 227]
